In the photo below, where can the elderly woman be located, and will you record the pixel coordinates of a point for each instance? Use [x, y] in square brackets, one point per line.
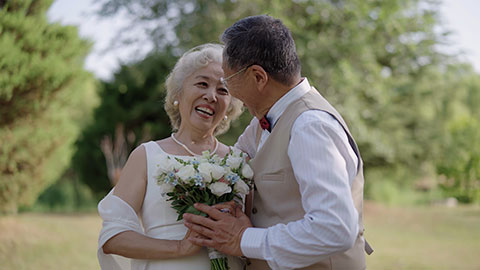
[138, 223]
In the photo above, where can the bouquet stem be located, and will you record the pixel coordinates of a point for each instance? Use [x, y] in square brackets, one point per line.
[218, 261]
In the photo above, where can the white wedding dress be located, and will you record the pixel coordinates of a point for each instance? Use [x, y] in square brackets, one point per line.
[157, 220]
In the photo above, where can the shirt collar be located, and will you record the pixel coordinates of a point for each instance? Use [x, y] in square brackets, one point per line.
[281, 105]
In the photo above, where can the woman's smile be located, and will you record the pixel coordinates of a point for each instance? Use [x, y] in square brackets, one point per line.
[205, 111]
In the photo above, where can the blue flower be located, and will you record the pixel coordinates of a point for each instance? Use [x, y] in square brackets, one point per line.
[198, 179]
[233, 178]
[170, 177]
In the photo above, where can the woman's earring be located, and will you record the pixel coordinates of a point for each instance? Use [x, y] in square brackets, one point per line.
[175, 103]
[225, 118]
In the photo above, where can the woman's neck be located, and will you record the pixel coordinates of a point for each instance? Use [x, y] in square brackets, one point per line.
[196, 141]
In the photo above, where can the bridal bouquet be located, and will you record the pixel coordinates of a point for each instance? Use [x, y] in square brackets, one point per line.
[206, 179]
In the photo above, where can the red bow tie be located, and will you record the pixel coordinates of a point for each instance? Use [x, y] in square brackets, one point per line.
[265, 124]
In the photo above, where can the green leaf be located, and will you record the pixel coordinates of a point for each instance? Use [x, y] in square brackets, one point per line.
[193, 210]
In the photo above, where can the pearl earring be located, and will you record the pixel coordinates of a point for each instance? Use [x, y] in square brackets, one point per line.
[175, 103]
[225, 118]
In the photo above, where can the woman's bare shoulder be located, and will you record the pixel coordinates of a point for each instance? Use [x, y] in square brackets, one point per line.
[137, 155]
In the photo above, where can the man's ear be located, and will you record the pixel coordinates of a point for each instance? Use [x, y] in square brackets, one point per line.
[260, 76]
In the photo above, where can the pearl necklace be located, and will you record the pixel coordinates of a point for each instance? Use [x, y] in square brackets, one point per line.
[190, 151]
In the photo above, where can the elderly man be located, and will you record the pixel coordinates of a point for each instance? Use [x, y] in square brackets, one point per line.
[307, 203]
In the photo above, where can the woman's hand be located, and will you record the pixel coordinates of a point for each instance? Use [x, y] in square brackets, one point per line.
[187, 248]
[230, 207]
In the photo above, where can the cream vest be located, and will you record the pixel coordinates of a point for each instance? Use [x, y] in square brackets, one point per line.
[277, 197]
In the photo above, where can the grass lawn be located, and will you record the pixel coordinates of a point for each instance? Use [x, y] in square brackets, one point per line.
[431, 237]
[403, 238]
[49, 241]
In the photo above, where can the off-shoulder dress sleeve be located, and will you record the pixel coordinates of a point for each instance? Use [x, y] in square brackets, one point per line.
[118, 216]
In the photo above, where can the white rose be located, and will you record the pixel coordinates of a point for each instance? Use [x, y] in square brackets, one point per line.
[202, 160]
[164, 165]
[216, 159]
[227, 171]
[236, 152]
[160, 171]
[205, 170]
[206, 154]
[175, 165]
[186, 172]
[241, 187]
[166, 188]
[247, 171]
[217, 171]
[219, 188]
[234, 162]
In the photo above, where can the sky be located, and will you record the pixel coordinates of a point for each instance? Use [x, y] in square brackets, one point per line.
[460, 17]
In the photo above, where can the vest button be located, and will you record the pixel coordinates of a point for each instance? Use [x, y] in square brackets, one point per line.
[254, 210]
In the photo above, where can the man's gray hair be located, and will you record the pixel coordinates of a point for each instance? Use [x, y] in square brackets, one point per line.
[264, 41]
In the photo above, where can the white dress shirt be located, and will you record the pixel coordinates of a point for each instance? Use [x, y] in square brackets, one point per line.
[325, 166]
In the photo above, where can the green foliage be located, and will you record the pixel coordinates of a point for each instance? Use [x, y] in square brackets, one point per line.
[364, 56]
[458, 154]
[67, 195]
[134, 99]
[461, 163]
[377, 62]
[36, 59]
[391, 186]
[44, 94]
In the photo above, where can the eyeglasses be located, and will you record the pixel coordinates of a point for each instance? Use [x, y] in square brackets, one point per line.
[224, 80]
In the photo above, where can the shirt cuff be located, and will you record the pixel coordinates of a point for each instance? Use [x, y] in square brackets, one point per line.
[251, 243]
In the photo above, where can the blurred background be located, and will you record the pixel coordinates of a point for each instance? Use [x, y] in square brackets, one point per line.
[82, 84]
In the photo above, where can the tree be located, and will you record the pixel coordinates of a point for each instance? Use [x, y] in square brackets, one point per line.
[362, 55]
[376, 61]
[458, 160]
[130, 112]
[43, 93]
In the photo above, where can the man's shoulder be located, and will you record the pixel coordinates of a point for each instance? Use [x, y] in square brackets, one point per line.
[317, 117]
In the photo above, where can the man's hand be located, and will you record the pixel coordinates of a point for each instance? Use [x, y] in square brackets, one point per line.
[223, 230]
